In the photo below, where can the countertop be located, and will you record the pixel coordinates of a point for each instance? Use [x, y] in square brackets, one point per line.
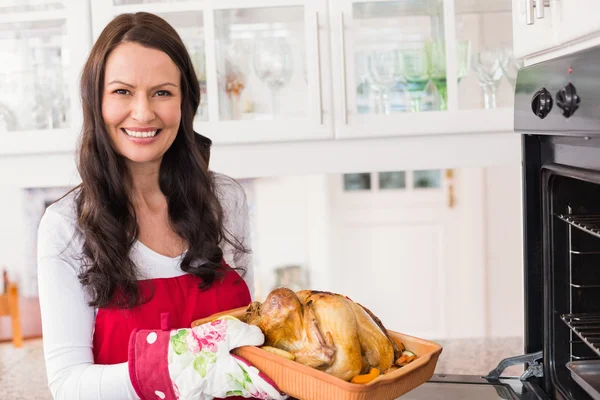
[23, 376]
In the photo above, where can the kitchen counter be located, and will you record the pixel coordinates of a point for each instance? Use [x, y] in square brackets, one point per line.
[478, 356]
[23, 376]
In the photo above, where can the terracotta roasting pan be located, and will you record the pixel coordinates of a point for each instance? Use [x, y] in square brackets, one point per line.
[306, 383]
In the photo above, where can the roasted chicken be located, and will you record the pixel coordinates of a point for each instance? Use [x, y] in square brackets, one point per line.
[324, 330]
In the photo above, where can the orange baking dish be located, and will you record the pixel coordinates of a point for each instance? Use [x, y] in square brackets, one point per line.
[306, 383]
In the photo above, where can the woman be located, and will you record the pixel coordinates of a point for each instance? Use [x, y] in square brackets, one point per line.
[142, 246]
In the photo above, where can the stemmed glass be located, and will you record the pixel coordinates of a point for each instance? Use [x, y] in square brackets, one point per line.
[236, 71]
[486, 65]
[463, 58]
[437, 66]
[437, 70]
[416, 71]
[199, 63]
[510, 66]
[273, 65]
[385, 71]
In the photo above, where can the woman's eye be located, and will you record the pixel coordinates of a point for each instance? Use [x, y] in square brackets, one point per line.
[121, 91]
[163, 93]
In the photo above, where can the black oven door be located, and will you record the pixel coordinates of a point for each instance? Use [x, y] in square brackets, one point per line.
[468, 387]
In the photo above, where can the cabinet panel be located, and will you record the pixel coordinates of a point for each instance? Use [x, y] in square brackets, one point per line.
[578, 18]
[43, 46]
[539, 36]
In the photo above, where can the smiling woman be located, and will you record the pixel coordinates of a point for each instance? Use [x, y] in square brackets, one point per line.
[150, 241]
[141, 104]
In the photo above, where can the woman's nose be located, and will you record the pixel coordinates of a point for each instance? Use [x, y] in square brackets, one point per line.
[142, 110]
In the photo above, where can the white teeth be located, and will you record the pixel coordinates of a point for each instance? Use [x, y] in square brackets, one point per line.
[140, 134]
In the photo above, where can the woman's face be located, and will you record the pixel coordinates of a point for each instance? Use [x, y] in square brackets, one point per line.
[141, 103]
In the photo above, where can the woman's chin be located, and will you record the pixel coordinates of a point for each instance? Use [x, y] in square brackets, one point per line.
[142, 157]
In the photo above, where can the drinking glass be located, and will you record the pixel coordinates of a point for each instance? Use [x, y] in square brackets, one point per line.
[273, 64]
[486, 65]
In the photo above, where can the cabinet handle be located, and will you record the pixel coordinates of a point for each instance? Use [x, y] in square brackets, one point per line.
[529, 12]
[342, 37]
[320, 102]
[539, 8]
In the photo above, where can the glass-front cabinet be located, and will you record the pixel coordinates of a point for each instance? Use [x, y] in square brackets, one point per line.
[43, 44]
[405, 67]
[276, 70]
[263, 65]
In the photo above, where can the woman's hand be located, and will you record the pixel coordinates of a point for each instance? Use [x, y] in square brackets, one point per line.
[196, 363]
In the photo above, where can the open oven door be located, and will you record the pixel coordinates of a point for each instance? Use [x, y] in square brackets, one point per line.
[492, 386]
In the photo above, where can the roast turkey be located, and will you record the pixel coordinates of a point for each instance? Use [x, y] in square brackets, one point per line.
[324, 330]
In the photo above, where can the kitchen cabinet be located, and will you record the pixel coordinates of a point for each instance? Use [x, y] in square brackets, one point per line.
[263, 65]
[531, 33]
[578, 19]
[428, 67]
[330, 101]
[286, 70]
[563, 27]
[43, 46]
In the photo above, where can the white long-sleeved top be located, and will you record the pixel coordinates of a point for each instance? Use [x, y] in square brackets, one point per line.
[68, 320]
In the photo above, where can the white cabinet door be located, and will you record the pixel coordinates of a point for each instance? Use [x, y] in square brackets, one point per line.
[43, 47]
[578, 18]
[265, 64]
[408, 67]
[533, 38]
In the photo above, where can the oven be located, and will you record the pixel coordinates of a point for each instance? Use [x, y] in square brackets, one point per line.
[557, 113]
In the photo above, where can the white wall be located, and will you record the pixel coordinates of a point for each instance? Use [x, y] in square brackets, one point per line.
[504, 251]
[12, 235]
[17, 173]
[293, 224]
[290, 227]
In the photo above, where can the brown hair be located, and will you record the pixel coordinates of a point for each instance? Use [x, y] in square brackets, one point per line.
[106, 216]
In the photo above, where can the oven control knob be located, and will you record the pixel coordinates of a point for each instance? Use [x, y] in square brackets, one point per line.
[567, 100]
[541, 104]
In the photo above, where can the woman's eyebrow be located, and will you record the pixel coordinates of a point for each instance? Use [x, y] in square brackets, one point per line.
[131, 86]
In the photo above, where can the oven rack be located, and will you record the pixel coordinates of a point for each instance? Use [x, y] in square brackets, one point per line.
[587, 327]
[589, 223]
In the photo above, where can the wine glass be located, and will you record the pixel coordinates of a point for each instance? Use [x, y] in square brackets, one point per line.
[486, 65]
[236, 71]
[437, 70]
[385, 71]
[273, 65]
[509, 64]
[463, 58]
[416, 71]
[197, 54]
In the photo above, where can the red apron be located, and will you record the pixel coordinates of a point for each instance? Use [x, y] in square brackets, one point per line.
[177, 297]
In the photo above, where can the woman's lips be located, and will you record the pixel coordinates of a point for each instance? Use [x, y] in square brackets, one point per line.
[141, 140]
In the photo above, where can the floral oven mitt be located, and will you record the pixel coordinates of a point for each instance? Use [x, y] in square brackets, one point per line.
[196, 363]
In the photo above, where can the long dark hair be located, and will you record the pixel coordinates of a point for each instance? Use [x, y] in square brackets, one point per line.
[106, 216]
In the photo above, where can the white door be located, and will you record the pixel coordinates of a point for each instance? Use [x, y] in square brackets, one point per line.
[397, 250]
